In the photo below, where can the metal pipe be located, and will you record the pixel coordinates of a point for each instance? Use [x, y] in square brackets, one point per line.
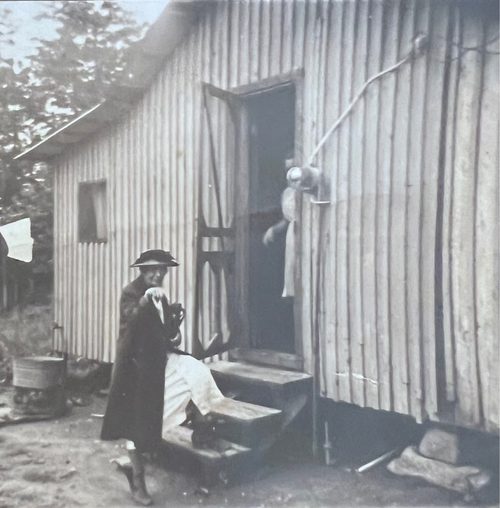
[317, 339]
[327, 446]
[377, 461]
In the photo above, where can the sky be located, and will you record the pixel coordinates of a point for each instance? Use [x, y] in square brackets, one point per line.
[23, 13]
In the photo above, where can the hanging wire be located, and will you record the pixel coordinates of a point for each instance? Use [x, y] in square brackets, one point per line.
[462, 50]
[478, 48]
[419, 43]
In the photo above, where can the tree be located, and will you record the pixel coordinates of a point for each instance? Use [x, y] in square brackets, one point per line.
[13, 105]
[76, 70]
[67, 75]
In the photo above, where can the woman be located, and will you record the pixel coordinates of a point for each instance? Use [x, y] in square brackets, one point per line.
[149, 394]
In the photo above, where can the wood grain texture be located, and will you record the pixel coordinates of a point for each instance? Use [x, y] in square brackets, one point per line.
[369, 208]
[487, 222]
[418, 96]
[397, 217]
[357, 148]
[462, 234]
[330, 359]
[384, 164]
[434, 138]
[341, 277]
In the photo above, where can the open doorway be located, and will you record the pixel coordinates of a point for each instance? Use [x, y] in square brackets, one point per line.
[271, 119]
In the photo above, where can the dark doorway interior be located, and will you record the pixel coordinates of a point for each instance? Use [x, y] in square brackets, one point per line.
[272, 126]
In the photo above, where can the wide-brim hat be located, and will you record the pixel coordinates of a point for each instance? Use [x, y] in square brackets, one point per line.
[155, 257]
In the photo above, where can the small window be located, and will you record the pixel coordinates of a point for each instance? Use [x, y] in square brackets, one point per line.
[92, 224]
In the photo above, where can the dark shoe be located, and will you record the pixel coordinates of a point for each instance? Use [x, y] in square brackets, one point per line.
[202, 439]
[205, 432]
[139, 493]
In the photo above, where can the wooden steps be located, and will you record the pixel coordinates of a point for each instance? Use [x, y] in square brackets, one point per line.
[266, 386]
[271, 399]
[244, 412]
[179, 438]
[266, 357]
[209, 462]
[246, 423]
[257, 374]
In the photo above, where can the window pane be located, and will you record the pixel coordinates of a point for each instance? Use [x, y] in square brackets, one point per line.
[92, 224]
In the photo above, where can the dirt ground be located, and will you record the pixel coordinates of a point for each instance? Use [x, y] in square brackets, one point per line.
[62, 463]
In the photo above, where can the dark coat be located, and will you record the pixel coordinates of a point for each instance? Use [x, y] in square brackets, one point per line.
[135, 403]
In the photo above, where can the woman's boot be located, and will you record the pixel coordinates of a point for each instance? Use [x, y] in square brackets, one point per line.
[126, 469]
[205, 431]
[139, 492]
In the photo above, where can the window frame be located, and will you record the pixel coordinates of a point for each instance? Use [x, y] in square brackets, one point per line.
[85, 236]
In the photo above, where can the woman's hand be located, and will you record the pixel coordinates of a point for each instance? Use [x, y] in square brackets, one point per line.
[155, 294]
[177, 312]
[274, 231]
[268, 237]
[176, 341]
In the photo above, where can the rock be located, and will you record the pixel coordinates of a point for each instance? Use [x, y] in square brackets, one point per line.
[479, 481]
[5, 414]
[440, 445]
[463, 479]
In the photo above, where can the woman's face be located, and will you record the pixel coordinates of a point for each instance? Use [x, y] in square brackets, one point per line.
[153, 275]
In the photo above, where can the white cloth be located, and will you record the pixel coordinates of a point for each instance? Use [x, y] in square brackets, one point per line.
[289, 210]
[187, 379]
[157, 302]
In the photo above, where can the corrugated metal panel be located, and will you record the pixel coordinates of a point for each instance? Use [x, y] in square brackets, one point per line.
[396, 189]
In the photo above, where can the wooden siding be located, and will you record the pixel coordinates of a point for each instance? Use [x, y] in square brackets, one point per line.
[470, 236]
[406, 308]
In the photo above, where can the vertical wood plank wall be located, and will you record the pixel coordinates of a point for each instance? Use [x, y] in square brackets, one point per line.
[408, 255]
[470, 234]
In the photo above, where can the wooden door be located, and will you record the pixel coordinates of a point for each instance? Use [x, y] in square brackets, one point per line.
[246, 109]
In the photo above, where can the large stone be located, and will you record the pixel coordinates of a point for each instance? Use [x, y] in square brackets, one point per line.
[440, 445]
[463, 479]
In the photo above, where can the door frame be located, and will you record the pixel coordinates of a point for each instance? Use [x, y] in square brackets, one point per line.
[236, 99]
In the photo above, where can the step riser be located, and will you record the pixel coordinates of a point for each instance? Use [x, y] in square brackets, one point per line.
[269, 395]
[209, 473]
[245, 423]
[246, 392]
[178, 449]
[249, 434]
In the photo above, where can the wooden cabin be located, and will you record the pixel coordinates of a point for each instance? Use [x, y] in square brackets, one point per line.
[396, 274]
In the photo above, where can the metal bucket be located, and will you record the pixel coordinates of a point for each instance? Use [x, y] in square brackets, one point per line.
[38, 372]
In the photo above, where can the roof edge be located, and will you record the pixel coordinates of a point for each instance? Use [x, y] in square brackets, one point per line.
[144, 60]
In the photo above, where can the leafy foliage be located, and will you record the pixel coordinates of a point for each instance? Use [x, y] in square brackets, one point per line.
[75, 71]
[67, 74]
